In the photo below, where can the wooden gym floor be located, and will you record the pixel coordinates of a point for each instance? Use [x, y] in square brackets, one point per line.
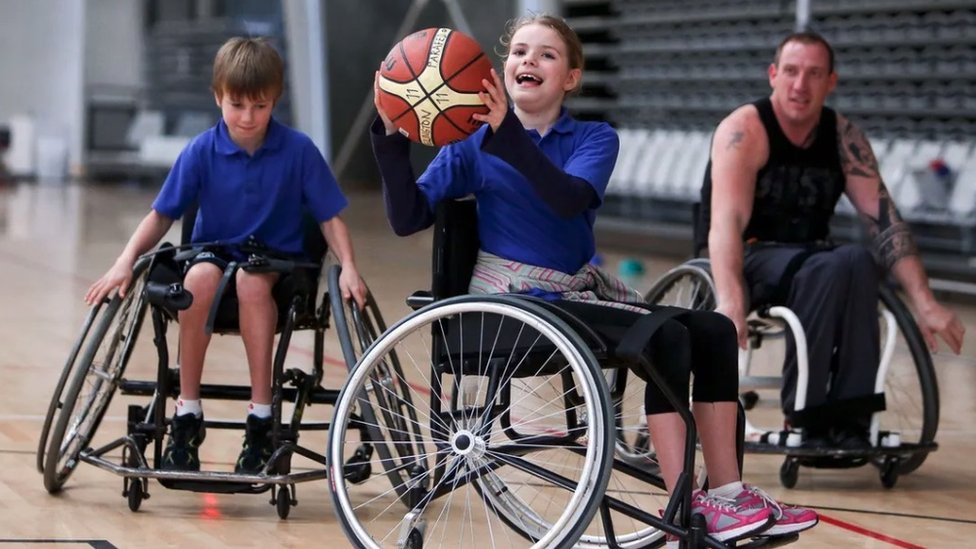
[55, 240]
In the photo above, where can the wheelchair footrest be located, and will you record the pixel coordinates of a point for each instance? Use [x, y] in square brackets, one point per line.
[770, 541]
[214, 487]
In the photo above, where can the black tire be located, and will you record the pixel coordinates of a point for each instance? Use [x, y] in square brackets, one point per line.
[55, 404]
[911, 394]
[93, 380]
[789, 472]
[357, 329]
[283, 501]
[134, 494]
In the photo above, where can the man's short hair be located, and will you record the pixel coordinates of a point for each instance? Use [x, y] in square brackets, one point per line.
[807, 37]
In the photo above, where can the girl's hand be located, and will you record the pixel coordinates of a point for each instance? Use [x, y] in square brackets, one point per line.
[495, 99]
[387, 123]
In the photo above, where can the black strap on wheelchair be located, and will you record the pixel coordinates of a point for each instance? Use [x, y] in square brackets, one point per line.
[221, 288]
[838, 412]
[636, 338]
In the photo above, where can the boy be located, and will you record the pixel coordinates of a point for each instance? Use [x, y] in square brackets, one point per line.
[251, 176]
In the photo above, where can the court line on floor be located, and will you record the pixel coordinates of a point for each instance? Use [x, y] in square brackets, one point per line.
[903, 515]
[95, 543]
[868, 533]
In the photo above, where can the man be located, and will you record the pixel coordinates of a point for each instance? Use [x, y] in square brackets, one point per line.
[778, 167]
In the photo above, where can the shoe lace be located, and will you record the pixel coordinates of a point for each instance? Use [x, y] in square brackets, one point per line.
[767, 500]
[717, 502]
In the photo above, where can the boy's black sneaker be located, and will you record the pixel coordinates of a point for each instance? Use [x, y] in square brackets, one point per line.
[185, 437]
[257, 448]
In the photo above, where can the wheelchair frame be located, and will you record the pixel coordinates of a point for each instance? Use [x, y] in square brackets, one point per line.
[893, 452]
[95, 371]
[469, 431]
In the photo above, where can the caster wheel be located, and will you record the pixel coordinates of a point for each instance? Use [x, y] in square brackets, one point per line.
[789, 472]
[415, 540]
[135, 494]
[283, 502]
[358, 468]
[749, 399]
[889, 472]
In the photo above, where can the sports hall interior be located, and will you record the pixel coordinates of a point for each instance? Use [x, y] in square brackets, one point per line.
[99, 96]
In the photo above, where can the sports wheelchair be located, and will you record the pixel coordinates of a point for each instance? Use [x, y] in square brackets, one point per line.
[493, 417]
[308, 298]
[901, 435]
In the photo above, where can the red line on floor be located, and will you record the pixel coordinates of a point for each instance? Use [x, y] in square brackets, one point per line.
[869, 533]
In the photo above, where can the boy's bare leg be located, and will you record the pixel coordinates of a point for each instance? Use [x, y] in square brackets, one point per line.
[258, 316]
[201, 280]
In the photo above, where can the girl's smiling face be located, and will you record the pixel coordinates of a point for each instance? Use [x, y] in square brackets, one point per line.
[537, 69]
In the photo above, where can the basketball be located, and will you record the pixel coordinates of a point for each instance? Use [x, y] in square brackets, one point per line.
[429, 85]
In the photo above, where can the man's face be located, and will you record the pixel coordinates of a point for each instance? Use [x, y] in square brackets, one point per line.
[801, 82]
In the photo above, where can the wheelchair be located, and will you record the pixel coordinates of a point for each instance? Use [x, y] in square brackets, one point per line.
[494, 420]
[308, 298]
[901, 435]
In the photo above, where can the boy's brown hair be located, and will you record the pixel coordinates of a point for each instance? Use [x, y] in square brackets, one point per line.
[248, 67]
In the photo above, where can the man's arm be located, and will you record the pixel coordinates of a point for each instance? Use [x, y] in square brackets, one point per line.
[739, 149]
[892, 239]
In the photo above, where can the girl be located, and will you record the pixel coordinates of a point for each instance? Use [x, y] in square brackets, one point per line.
[535, 170]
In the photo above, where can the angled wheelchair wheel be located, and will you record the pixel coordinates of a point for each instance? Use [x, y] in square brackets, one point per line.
[510, 428]
[911, 389]
[688, 285]
[356, 328]
[90, 379]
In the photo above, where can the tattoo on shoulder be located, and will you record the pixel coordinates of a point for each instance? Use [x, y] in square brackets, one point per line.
[856, 156]
[891, 235]
[735, 140]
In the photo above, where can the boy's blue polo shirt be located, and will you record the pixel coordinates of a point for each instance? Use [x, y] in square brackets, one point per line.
[513, 221]
[264, 195]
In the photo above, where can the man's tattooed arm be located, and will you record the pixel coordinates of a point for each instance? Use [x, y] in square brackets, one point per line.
[890, 234]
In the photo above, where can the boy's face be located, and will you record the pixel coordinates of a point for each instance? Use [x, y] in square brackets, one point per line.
[246, 118]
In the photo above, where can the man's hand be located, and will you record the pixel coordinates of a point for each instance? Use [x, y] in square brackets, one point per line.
[738, 317]
[935, 319]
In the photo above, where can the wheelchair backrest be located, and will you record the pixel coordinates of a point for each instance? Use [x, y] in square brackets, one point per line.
[456, 245]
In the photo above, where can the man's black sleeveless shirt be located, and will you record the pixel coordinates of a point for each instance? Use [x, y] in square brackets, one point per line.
[797, 189]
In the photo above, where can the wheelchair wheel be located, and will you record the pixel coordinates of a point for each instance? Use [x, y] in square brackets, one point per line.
[356, 328]
[911, 389]
[688, 285]
[55, 403]
[510, 426]
[91, 379]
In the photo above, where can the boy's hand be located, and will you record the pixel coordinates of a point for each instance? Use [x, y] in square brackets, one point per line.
[352, 285]
[119, 276]
[387, 123]
[495, 99]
